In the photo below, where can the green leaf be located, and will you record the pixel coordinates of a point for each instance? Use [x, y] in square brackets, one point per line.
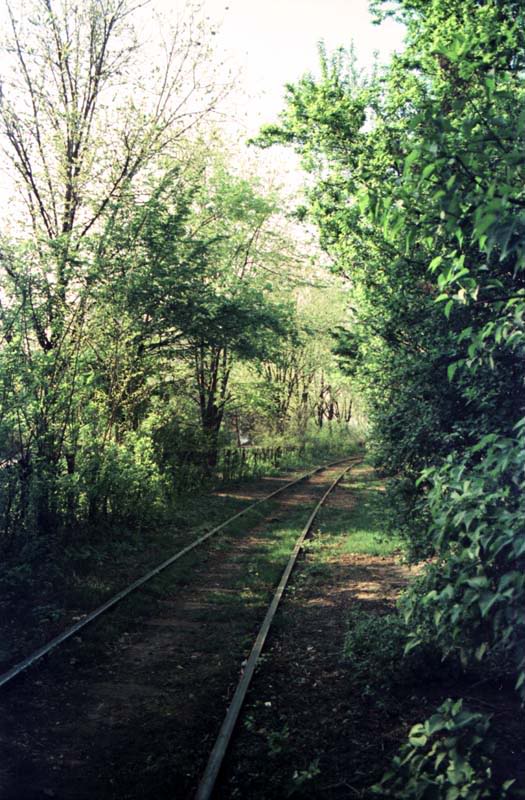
[478, 582]
[486, 601]
[418, 739]
[411, 157]
[428, 170]
[485, 223]
[451, 369]
[435, 723]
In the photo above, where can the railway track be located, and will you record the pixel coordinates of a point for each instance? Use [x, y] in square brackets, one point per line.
[217, 751]
[209, 778]
[75, 629]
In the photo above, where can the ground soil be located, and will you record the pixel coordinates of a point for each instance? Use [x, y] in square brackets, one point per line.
[132, 709]
[305, 733]
[133, 714]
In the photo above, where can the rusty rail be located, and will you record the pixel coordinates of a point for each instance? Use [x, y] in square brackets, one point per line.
[207, 784]
[38, 654]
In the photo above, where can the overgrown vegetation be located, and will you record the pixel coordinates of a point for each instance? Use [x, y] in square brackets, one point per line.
[145, 341]
[448, 756]
[417, 193]
[374, 650]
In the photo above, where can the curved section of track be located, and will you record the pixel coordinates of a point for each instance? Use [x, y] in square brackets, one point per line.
[207, 784]
[46, 649]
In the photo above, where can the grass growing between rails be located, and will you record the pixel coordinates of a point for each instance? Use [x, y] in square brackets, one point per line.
[37, 601]
[42, 591]
[41, 578]
[336, 694]
[358, 527]
[129, 616]
[49, 563]
[305, 721]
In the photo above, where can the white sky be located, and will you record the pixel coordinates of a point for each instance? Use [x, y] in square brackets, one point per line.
[271, 43]
[275, 41]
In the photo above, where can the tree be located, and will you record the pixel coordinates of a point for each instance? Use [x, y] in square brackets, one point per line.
[303, 380]
[199, 283]
[395, 340]
[83, 127]
[422, 209]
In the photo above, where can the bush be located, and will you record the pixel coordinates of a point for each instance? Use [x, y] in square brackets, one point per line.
[446, 758]
[374, 648]
[121, 482]
[471, 600]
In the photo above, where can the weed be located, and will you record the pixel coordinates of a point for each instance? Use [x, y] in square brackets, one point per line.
[277, 740]
[374, 649]
[363, 525]
[301, 778]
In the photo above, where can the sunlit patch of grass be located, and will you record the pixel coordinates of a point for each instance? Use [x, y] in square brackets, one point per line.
[224, 597]
[361, 525]
[259, 570]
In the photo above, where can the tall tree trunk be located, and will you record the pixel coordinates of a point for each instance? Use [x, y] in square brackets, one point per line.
[212, 374]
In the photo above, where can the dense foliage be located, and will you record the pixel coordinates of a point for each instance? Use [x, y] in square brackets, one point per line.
[417, 190]
[446, 758]
[141, 328]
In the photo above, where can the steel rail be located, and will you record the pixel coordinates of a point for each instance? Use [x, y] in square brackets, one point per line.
[209, 778]
[38, 654]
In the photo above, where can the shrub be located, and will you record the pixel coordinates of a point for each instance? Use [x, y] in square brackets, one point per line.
[447, 757]
[471, 600]
[375, 649]
[121, 482]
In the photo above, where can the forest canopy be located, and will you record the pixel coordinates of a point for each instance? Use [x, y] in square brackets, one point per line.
[153, 305]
